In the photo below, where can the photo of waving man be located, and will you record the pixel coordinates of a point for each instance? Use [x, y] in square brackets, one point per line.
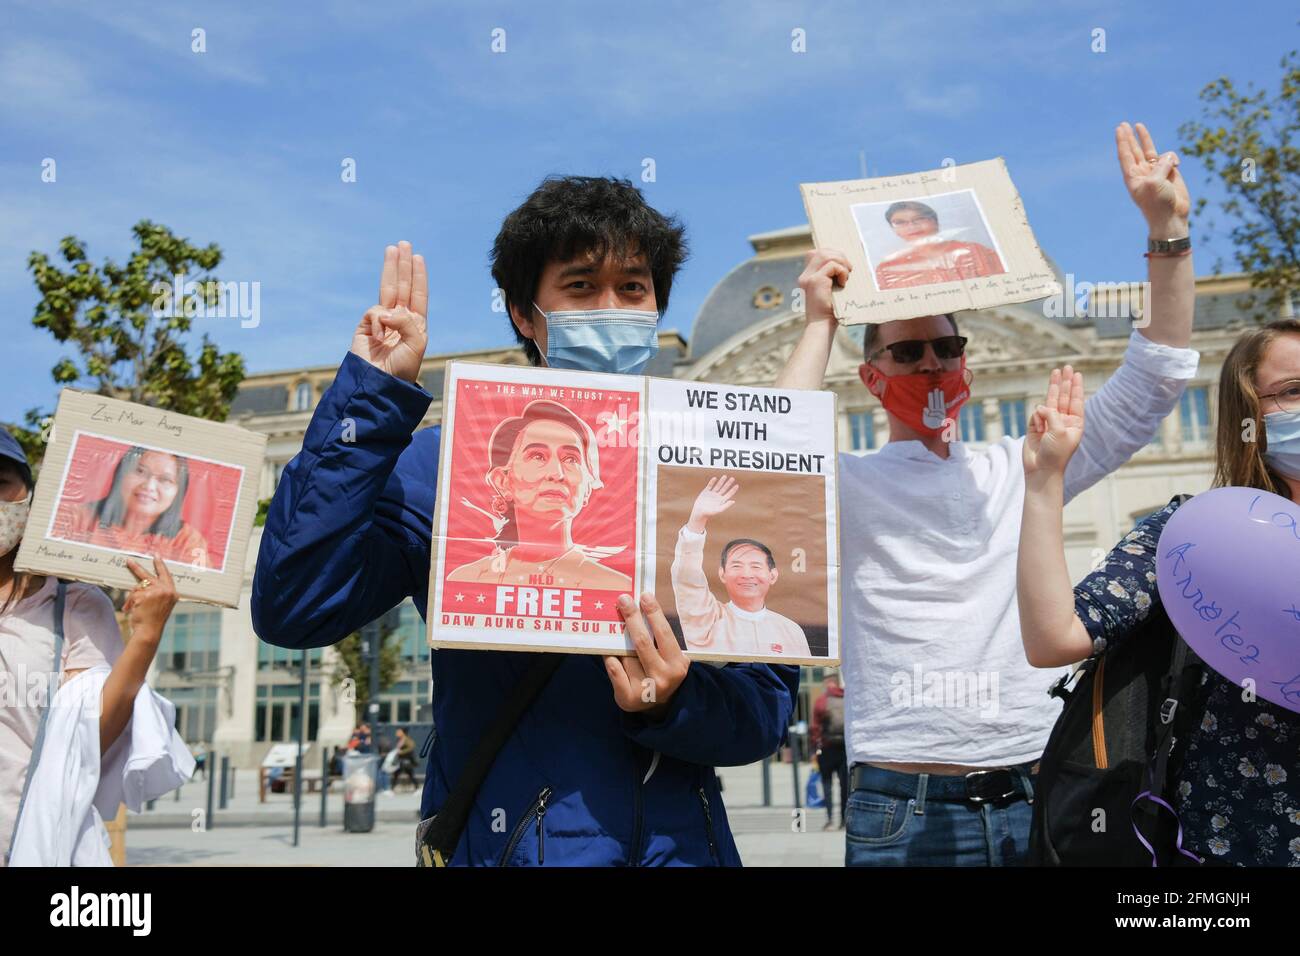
[748, 571]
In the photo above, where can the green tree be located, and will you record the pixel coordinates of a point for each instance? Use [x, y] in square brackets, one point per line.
[33, 438]
[1249, 141]
[352, 664]
[129, 337]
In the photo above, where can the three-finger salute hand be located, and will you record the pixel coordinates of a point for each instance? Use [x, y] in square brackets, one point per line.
[647, 682]
[392, 335]
[1153, 181]
[1056, 427]
[936, 412]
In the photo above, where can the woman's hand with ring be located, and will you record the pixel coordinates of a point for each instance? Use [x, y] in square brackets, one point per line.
[150, 604]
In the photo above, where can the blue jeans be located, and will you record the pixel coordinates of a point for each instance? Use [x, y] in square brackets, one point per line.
[899, 819]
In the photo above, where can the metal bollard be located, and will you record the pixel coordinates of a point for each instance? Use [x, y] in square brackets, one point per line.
[297, 793]
[324, 781]
[767, 781]
[212, 779]
[225, 770]
[796, 752]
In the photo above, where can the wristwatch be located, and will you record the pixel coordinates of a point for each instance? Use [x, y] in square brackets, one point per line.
[1169, 247]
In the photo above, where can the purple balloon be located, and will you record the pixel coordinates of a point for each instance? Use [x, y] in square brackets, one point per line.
[1228, 569]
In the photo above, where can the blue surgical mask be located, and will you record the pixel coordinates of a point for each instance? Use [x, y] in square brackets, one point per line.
[1282, 430]
[601, 340]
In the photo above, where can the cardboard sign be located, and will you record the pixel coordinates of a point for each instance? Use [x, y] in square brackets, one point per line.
[929, 243]
[559, 491]
[125, 481]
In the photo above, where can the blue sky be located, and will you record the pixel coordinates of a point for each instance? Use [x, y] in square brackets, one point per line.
[242, 144]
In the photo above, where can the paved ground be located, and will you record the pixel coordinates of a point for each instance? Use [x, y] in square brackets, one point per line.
[247, 833]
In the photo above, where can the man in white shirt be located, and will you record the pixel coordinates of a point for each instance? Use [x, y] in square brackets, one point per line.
[945, 719]
[745, 624]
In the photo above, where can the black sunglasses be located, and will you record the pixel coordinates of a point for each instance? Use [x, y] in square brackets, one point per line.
[911, 350]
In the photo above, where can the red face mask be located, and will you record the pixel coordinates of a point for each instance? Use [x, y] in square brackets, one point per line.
[922, 400]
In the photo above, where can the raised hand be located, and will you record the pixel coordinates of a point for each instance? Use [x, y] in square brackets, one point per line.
[1153, 181]
[718, 495]
[824, 270]
[392, 335]
[1056, 427]
[149, 605]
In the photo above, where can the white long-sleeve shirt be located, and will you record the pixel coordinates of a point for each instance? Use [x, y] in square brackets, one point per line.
[91, 638]
[934, 668]
[72, 789]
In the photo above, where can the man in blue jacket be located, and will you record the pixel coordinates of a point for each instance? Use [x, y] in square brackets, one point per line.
[613, 762]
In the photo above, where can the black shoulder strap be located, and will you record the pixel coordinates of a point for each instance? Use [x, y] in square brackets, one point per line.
[438, 840]
[1177, 689]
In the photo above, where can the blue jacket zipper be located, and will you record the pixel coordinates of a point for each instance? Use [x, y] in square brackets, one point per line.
[708, 825]
[541, 833]
[535, 812]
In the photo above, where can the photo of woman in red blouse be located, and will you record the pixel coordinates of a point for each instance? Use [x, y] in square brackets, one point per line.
[930, 254]
[145, 509]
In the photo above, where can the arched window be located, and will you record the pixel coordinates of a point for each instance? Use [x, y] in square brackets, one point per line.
[302, 397]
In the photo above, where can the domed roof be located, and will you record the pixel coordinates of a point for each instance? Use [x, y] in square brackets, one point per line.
[761, 287]
[755, 290]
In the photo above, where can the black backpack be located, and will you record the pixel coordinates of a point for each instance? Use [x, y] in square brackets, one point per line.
[1119, 736]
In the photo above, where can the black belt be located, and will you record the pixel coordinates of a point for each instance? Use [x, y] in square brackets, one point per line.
[997, 785]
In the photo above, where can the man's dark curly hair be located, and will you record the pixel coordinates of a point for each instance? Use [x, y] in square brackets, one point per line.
[567, 216]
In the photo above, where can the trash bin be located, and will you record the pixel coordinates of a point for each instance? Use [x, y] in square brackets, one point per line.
[359, 779]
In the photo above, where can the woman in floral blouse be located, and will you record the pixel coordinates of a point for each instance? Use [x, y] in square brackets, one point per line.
[1238, 794]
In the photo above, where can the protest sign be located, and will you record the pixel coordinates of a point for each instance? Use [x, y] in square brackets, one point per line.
[744, 519]
[127, 481]
[559, 491]
[929, 243]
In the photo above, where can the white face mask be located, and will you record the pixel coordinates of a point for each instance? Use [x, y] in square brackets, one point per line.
[13, 522]
[1283, 431]
[621, 341]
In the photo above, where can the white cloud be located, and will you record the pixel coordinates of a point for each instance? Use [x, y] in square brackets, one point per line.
[944, 99]
[39, 81]
[166, 30]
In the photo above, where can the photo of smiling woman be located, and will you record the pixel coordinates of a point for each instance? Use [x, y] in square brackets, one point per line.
[141, 513]
[543, 467]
